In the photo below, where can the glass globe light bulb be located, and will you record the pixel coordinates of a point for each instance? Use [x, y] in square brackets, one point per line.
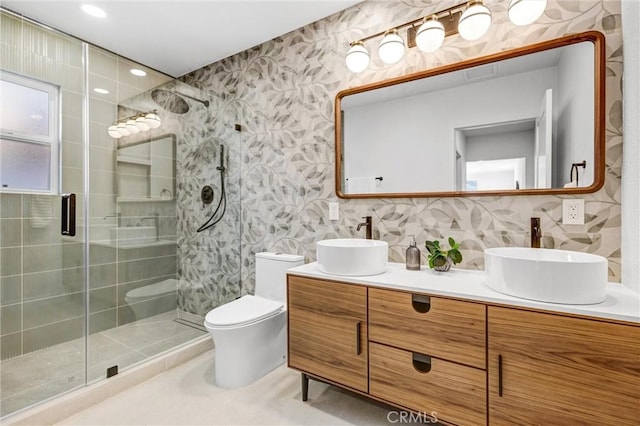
[525, 12]
[122, 129]
[132, 127]
[152, 120]
[475, 21]
[141, 124]
[357, 58]
[391, 48]
[113, 132]
[430, 35]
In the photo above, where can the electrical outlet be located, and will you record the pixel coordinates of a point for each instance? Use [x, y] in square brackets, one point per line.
[334, 211]
[573, 211]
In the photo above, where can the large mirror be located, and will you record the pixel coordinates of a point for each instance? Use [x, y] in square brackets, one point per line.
[524, 121]
[146, 169]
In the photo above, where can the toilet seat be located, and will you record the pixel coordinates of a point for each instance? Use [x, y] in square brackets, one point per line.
[246, 310]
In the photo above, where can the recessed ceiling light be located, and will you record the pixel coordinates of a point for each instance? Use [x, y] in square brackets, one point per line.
[101, 91]
[136, 71]
[93, 10]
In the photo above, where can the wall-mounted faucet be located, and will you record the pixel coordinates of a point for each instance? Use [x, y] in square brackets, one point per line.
[156, 223]
[368, 224]
[536, 232]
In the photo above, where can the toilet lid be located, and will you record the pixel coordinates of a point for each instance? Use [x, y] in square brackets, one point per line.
[241, 311]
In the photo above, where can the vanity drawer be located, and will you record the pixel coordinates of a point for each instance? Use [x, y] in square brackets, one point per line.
[451, 392]
[448, 329]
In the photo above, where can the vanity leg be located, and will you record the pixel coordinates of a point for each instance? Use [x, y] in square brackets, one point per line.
[305, 386]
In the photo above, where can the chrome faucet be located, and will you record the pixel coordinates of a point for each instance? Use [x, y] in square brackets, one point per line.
[536, 232]
[368, 224]
[156, 223]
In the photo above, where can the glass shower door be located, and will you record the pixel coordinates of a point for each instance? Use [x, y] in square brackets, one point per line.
[42, 273]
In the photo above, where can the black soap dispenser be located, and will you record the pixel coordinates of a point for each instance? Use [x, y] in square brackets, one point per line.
[413, 256]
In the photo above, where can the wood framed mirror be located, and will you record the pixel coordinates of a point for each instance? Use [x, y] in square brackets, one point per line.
[521, 122]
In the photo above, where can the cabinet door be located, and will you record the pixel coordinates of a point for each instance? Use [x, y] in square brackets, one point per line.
[551, 369]
[328, 330]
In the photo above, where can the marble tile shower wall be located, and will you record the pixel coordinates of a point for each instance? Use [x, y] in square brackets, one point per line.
[209, 262]
[283, 93]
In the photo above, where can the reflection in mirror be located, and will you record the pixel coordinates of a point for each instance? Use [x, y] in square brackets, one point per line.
[515, 121]
[147, 169]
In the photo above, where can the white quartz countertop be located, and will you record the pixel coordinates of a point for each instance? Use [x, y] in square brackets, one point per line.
[622, 303]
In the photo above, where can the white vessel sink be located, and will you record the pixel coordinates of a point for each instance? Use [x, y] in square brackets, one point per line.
[352, 256]
[546, 275]
[133, 235]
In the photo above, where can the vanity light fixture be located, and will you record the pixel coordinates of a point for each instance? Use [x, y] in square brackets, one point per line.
[101, 91]
[525, 12]
[471, 19]
[135, 124]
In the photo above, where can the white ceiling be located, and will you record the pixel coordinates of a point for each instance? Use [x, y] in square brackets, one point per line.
[179, 36]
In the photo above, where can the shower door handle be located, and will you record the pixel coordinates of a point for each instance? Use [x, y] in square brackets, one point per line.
[68, 220]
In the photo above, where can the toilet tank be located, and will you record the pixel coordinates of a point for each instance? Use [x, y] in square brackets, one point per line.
[271, 274]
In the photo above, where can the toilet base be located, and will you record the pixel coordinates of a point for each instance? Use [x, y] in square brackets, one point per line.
[245, 354]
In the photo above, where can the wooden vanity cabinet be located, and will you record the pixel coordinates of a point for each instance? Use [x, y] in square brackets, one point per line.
[555, 369]
[328, 330]
[465, 362]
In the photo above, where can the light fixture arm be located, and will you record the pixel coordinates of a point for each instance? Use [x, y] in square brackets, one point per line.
[450, 12]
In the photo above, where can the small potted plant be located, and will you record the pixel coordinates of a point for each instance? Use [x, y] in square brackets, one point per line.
[441, 260]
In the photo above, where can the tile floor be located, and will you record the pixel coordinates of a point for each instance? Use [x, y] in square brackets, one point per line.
[40, 375]
[187, 395]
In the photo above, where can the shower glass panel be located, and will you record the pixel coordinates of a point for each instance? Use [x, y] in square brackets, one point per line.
[72, 307]
[42, 290]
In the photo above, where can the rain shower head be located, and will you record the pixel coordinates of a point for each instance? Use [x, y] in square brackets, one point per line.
[174, 101]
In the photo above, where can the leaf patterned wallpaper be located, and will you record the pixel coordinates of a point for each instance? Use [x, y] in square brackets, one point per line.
[281, 163]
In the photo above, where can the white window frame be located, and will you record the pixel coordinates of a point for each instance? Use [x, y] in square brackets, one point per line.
[53, 138]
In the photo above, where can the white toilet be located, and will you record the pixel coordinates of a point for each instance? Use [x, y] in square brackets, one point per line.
[250, 333]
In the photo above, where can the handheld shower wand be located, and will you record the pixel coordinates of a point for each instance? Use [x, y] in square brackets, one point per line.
[213, 220]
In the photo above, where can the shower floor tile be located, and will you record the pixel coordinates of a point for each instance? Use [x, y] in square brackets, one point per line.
[40, 375]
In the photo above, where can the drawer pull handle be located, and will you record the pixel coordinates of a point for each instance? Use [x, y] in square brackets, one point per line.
[421, 303]
[499, 375]
[358, 347]
[421, 363]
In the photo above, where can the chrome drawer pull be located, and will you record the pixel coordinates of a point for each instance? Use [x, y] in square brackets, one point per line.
[422, 363]
[421, 303]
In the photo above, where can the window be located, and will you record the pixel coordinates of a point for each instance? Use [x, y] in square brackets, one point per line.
[29, 136]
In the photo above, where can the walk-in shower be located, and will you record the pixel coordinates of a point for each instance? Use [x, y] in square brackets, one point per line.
[66, 316]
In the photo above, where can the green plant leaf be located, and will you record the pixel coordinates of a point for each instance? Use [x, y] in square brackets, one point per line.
[432, 246]
[452, 243]
[455, 256]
